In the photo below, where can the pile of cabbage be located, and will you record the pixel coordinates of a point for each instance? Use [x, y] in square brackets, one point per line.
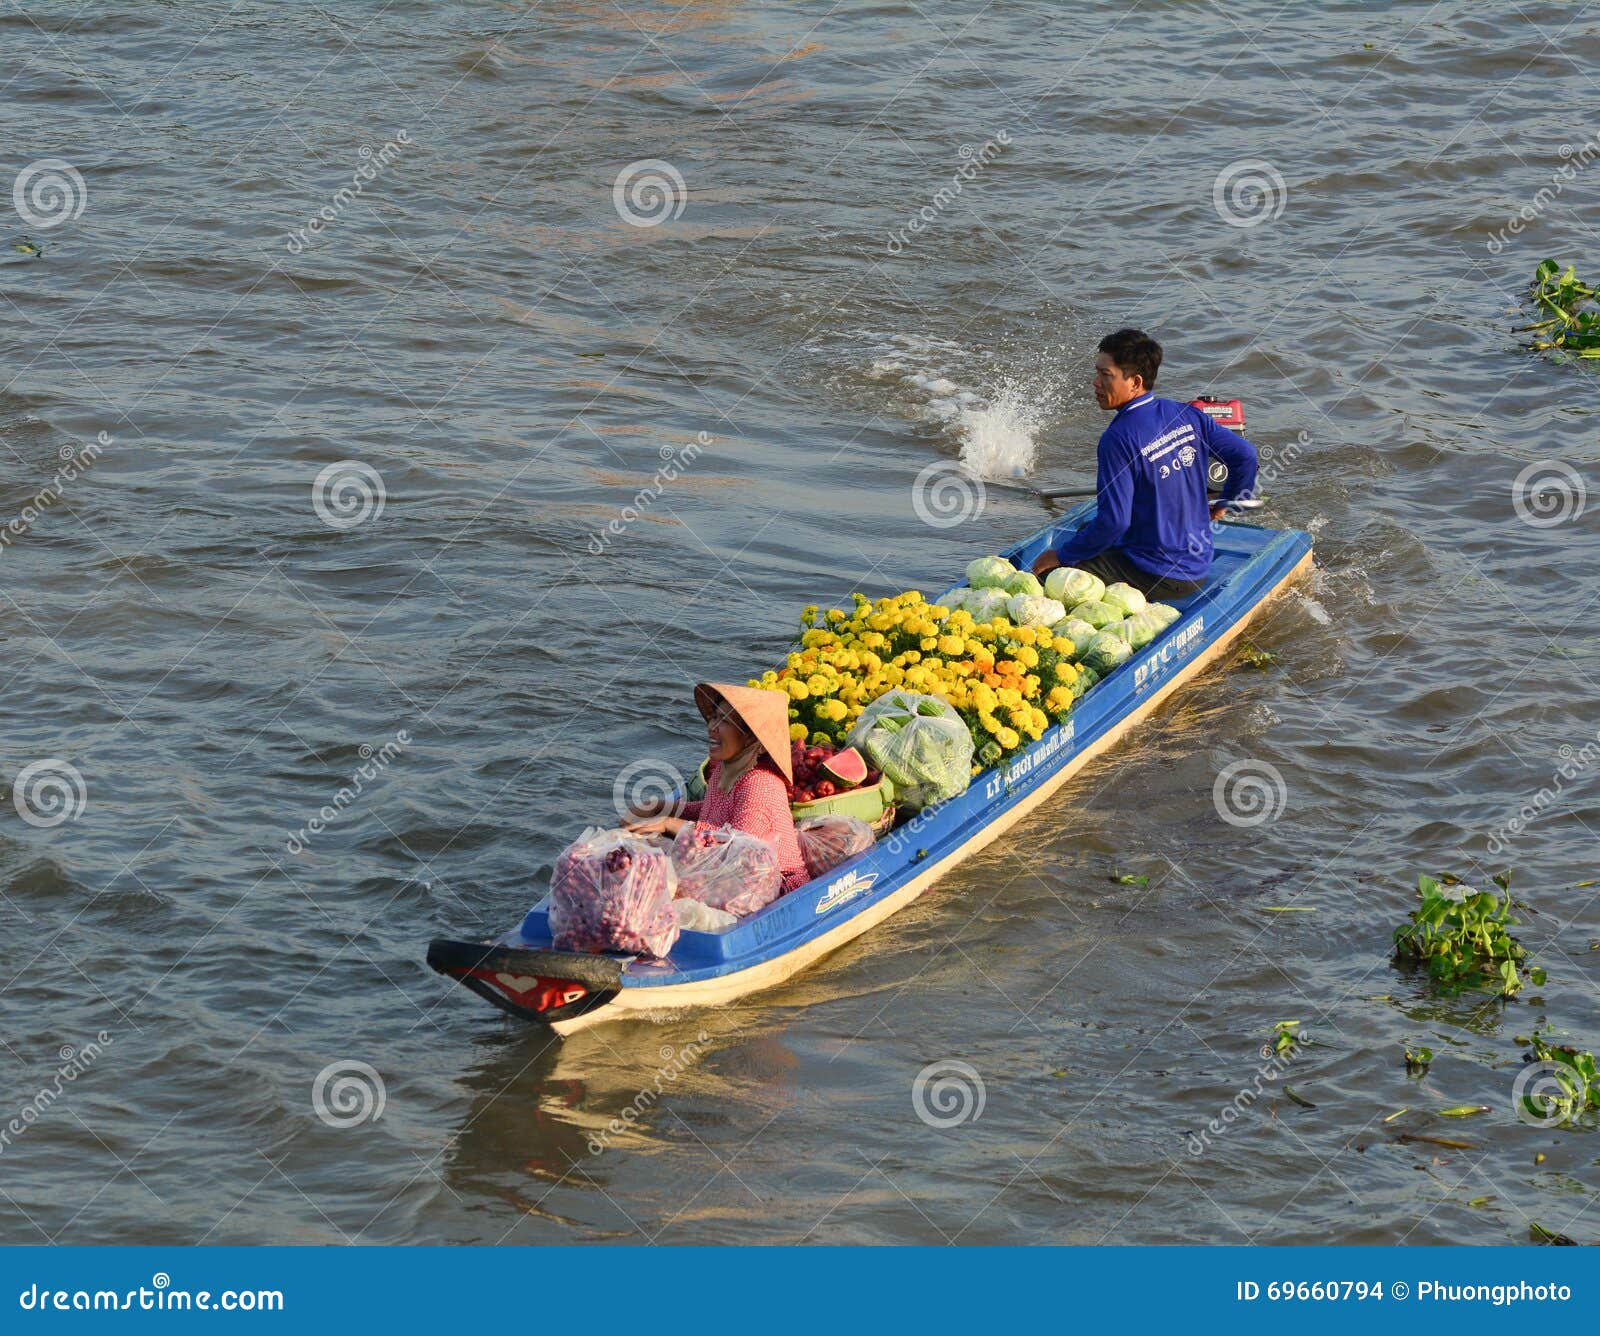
[1105, 623]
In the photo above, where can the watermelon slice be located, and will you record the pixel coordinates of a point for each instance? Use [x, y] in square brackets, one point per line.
[847, 768]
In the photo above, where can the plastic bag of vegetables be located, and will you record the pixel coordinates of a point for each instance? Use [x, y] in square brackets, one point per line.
[990, 573]
[920, 743]
[1106, 651]
[826, 841]
[1069, 586]
[1125, 598]
[1097, 614]
[612, 891]
[1031, 610]
[1078, 631]
[725, 867]
[693, 916]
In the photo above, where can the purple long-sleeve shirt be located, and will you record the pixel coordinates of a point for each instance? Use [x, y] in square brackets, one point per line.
[1150, 498]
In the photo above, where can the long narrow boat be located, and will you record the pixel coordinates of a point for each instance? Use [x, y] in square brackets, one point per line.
[523, 973]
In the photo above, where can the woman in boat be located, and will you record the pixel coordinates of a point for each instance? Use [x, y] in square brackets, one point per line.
[748, 775]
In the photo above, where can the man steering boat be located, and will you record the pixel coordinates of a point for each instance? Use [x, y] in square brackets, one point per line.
[1152, 522]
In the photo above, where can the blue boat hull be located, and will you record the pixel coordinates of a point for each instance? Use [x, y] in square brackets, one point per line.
[1251, 565]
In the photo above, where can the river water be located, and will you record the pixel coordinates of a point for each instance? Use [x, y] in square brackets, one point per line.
[389, 239]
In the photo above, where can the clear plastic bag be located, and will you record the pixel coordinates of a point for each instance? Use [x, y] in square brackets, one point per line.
[696, 917]
[726, 868]
[920, 743]
[826, 841]
[612, 891]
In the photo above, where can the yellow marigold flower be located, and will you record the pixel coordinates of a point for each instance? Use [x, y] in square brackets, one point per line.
[837, 710]
[820, 738]
[928, 643]
[913, 596]
[911, 656]
[1009, 697]
[952, 646]
[797, 732]
[1028, 656]
[797, 689]
[989, 722]
[818, 684]
[1031, 682]
[1008, 738]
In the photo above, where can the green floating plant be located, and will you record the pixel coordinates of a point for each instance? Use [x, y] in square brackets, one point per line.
[1571, 319]
[1465, 942]
[1559, 1085]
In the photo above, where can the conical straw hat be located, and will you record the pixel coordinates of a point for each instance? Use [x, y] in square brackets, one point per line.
[763, 711]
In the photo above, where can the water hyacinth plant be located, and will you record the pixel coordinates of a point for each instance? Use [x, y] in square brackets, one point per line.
[1462, 939]
[1571, 318]
[1570, 1087]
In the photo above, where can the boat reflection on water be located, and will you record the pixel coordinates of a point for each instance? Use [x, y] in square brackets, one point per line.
[554, 1123]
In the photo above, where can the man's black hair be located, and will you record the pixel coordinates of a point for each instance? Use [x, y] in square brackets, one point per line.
[1135, 353]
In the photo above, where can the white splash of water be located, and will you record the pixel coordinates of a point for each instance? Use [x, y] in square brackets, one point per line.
[999, 439]
[997, 431]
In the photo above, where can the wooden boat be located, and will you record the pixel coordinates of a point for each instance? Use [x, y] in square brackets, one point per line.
[524, 974]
